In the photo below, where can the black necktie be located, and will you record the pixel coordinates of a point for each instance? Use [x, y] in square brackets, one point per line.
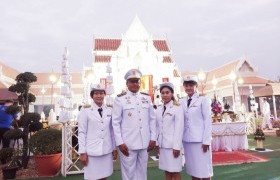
[189, 101]
[100, 111]
[164, 108]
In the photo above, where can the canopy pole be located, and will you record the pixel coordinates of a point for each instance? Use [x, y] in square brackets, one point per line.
[274, 107]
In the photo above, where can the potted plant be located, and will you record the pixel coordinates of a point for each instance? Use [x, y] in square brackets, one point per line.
[25, 97]
[276, 124]
[46, 147]
[216, 109]
[259, 137]
[6, 154]
[9, 171]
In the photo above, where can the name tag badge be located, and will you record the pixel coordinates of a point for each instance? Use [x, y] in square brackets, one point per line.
[169, 114]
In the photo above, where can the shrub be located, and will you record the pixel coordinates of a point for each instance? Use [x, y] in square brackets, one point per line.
[46, 142]
[6, 154]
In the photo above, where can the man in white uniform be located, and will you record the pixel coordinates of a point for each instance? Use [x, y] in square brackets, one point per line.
[134, 127]
[266, 114]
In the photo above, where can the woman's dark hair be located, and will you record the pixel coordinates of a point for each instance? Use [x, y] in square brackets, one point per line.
[92, 92]
[189, 82]
[172, 91]
[167, 88]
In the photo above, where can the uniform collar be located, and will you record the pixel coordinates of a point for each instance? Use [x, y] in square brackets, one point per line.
[168, 104]
[195, 95]
[132, 93]
[94, 106]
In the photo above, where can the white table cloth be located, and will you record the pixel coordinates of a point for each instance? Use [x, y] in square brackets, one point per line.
[229, 136]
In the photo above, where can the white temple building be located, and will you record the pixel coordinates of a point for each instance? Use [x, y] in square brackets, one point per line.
[135, 49]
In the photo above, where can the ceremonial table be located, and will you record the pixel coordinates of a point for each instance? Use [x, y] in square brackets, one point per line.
[229, 136]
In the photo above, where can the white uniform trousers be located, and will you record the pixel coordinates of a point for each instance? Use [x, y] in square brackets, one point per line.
[134, 166]
[266, 121]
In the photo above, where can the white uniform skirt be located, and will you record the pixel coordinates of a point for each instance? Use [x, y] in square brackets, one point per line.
[168, 163]
[99, 167]
[198, 163]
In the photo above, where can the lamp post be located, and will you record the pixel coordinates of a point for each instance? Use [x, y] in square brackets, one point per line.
[233, 77]
[52, 79]
[43, 91]
[201, 78]
[214, 83]
[240, 81]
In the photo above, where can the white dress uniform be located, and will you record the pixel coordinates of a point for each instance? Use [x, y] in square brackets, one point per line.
[197, 131]
[134, 124]
[95, 136]
[266, 115]
[170, 133]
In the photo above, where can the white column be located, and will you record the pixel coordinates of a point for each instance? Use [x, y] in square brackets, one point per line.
[274, 107]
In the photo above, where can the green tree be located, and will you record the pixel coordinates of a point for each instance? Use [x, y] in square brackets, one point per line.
[28, 121]
[22, 88]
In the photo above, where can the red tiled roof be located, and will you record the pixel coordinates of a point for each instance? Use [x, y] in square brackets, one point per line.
[8, 71]
[167, 59]
[103, 59]
[107, 44]
[161, 45]
[268, 90]
[114, 44]
[223, 70]
[255, 80]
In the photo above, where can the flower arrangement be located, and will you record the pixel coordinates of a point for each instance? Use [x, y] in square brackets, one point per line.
[276, 124]
[216, 107]
[259, 135]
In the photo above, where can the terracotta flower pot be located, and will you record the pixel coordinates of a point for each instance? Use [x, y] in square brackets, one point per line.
[48, 165]
[278, 132]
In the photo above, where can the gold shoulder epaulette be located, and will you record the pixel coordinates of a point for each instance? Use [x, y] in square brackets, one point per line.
[144, 93]
[111, 106]
[176, 103]
[86, 106]
[122, 94]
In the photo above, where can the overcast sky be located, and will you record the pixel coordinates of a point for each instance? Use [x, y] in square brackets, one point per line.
[201, 33]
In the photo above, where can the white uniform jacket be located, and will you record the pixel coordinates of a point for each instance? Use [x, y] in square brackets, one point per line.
[266, 109]
[198, 120]
[170, 126]
[133, 120]
[95, 132]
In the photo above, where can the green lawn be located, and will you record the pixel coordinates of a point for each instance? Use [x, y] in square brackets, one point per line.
[253, 171]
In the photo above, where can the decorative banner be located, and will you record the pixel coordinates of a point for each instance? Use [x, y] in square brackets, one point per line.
[147, 85]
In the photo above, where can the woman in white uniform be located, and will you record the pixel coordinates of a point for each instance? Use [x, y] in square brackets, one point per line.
[170, 124]
[96, 141]
[197, 132]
